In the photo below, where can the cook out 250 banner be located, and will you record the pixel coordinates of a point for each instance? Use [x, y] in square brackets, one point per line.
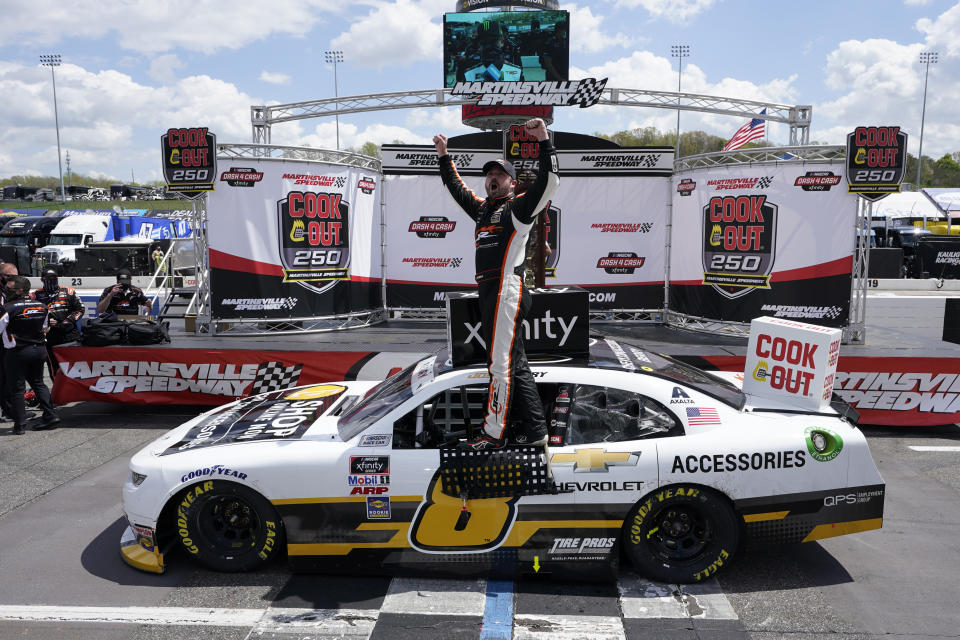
[293, 239]
[774, 240]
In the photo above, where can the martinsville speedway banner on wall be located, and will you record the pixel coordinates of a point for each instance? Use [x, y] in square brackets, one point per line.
[763, 240]
[614, 251]
[150, 375]
[293, 239]
[884, 391]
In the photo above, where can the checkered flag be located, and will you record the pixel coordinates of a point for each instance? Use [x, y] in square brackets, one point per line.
[339, 182]
[651, 160]
[645, 227]
[455, 262]
[833, 312]
[588, 92]
[273, 376]
[764, 182]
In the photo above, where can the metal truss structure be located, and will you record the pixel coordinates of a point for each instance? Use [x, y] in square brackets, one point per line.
[637, 316]
[276, 152]
[762, 155]
[263, 117]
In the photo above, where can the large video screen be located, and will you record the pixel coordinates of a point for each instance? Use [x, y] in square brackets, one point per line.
[505, 46]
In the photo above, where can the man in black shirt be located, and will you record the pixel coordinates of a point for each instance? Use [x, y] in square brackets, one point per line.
[23, 325]
[503, 222]
[65, 311]
[7, 271]
[122, 298]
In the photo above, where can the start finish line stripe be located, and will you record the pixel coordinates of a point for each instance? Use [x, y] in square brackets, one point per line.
[934, 448]
[134, 615]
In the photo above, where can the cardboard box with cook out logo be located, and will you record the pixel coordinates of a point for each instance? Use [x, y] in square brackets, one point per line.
[793, 362]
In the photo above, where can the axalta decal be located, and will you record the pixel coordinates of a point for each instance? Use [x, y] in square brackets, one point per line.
[119, 376]
[314, 237]
[937, 393]
[739, 237]
[432, 226]
[622, 227]
[756, 461]
[252, 420]
[817, 180]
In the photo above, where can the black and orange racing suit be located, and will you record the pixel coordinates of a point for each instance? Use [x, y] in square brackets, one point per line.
[502, 227]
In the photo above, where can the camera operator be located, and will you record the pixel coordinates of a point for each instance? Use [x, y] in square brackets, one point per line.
[122, 298]
[65, 311]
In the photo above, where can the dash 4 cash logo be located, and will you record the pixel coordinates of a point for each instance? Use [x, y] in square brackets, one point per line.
[241, 176]
[432, 226]
[817, 180]
[621, 262]
[314, 239]
[739, 243]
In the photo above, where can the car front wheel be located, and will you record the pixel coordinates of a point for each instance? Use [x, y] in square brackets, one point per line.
[681, 533]
[227, 527]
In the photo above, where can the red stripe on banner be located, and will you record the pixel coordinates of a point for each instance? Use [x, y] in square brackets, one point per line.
[890, 391]
[221, 260]
[354, 278]
[838, 267]
[433, 284]
[151, 375]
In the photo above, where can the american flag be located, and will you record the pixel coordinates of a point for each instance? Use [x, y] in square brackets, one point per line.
[698, 417]
[753, 130]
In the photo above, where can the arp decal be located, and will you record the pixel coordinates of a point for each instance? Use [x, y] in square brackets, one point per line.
[739, 237]
[314, 239]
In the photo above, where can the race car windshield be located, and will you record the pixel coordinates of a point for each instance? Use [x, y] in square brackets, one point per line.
[713, 386]
[377, 403]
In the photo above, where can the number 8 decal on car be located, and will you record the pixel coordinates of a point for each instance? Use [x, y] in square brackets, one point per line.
[442, 525]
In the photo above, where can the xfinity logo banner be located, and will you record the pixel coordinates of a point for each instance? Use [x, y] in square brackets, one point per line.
[557, 324]
[585, 93]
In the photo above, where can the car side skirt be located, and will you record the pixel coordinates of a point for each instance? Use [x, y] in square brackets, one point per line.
[815, 515]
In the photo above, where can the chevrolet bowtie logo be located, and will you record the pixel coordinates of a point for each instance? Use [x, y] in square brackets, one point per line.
[594, 460]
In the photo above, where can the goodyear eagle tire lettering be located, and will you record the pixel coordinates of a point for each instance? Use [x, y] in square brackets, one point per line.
[227, 527]
[681, 533]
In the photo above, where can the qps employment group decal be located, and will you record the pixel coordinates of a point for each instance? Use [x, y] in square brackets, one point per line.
[739, 241]
[876, 161]
[314, 239]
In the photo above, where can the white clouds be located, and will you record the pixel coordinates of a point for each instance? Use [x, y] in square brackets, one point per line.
[163, 68]
[942, 32]
[274, 78]
[394, 34]
[148, 26]
[586, 33]
[677, 11]
[351, 136]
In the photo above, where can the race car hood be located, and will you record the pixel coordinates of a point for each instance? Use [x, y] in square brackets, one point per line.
[291, 414]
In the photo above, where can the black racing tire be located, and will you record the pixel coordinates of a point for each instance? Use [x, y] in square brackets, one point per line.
[681, 534]
[227, 527]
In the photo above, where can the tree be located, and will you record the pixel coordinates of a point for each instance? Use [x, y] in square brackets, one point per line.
[946, 172]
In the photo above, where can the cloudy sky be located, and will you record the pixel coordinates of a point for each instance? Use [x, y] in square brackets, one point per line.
[133, 68]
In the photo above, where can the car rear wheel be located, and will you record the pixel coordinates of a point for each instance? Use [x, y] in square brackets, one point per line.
[228, 527]
[681, 533]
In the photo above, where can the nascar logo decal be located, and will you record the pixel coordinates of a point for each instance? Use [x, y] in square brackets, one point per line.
[314, 239]
[739, 240]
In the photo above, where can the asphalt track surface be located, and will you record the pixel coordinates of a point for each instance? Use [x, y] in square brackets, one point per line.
[61, 576]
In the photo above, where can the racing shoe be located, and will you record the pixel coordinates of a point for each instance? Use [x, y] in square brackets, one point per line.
[535, 435]
[47, 424]
[481, 443]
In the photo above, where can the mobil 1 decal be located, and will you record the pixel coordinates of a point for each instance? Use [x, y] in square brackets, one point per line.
[876, 161]
[739, 237]
[314, 238]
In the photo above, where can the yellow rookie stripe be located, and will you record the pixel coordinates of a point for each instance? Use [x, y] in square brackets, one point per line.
[822, 531]
[763, 517]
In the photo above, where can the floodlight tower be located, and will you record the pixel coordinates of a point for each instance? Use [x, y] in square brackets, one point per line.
[335, 57]
[53, 60]
[680, 51]
[926, 58]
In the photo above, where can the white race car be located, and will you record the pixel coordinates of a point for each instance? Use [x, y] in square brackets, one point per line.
[649, 459]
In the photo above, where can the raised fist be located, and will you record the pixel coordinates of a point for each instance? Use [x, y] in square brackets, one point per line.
[440, 142]
[537, 128]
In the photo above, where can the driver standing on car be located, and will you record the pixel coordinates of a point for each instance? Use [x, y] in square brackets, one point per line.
[503, 222]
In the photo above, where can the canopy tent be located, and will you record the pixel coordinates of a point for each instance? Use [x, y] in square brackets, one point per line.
[911, 204]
